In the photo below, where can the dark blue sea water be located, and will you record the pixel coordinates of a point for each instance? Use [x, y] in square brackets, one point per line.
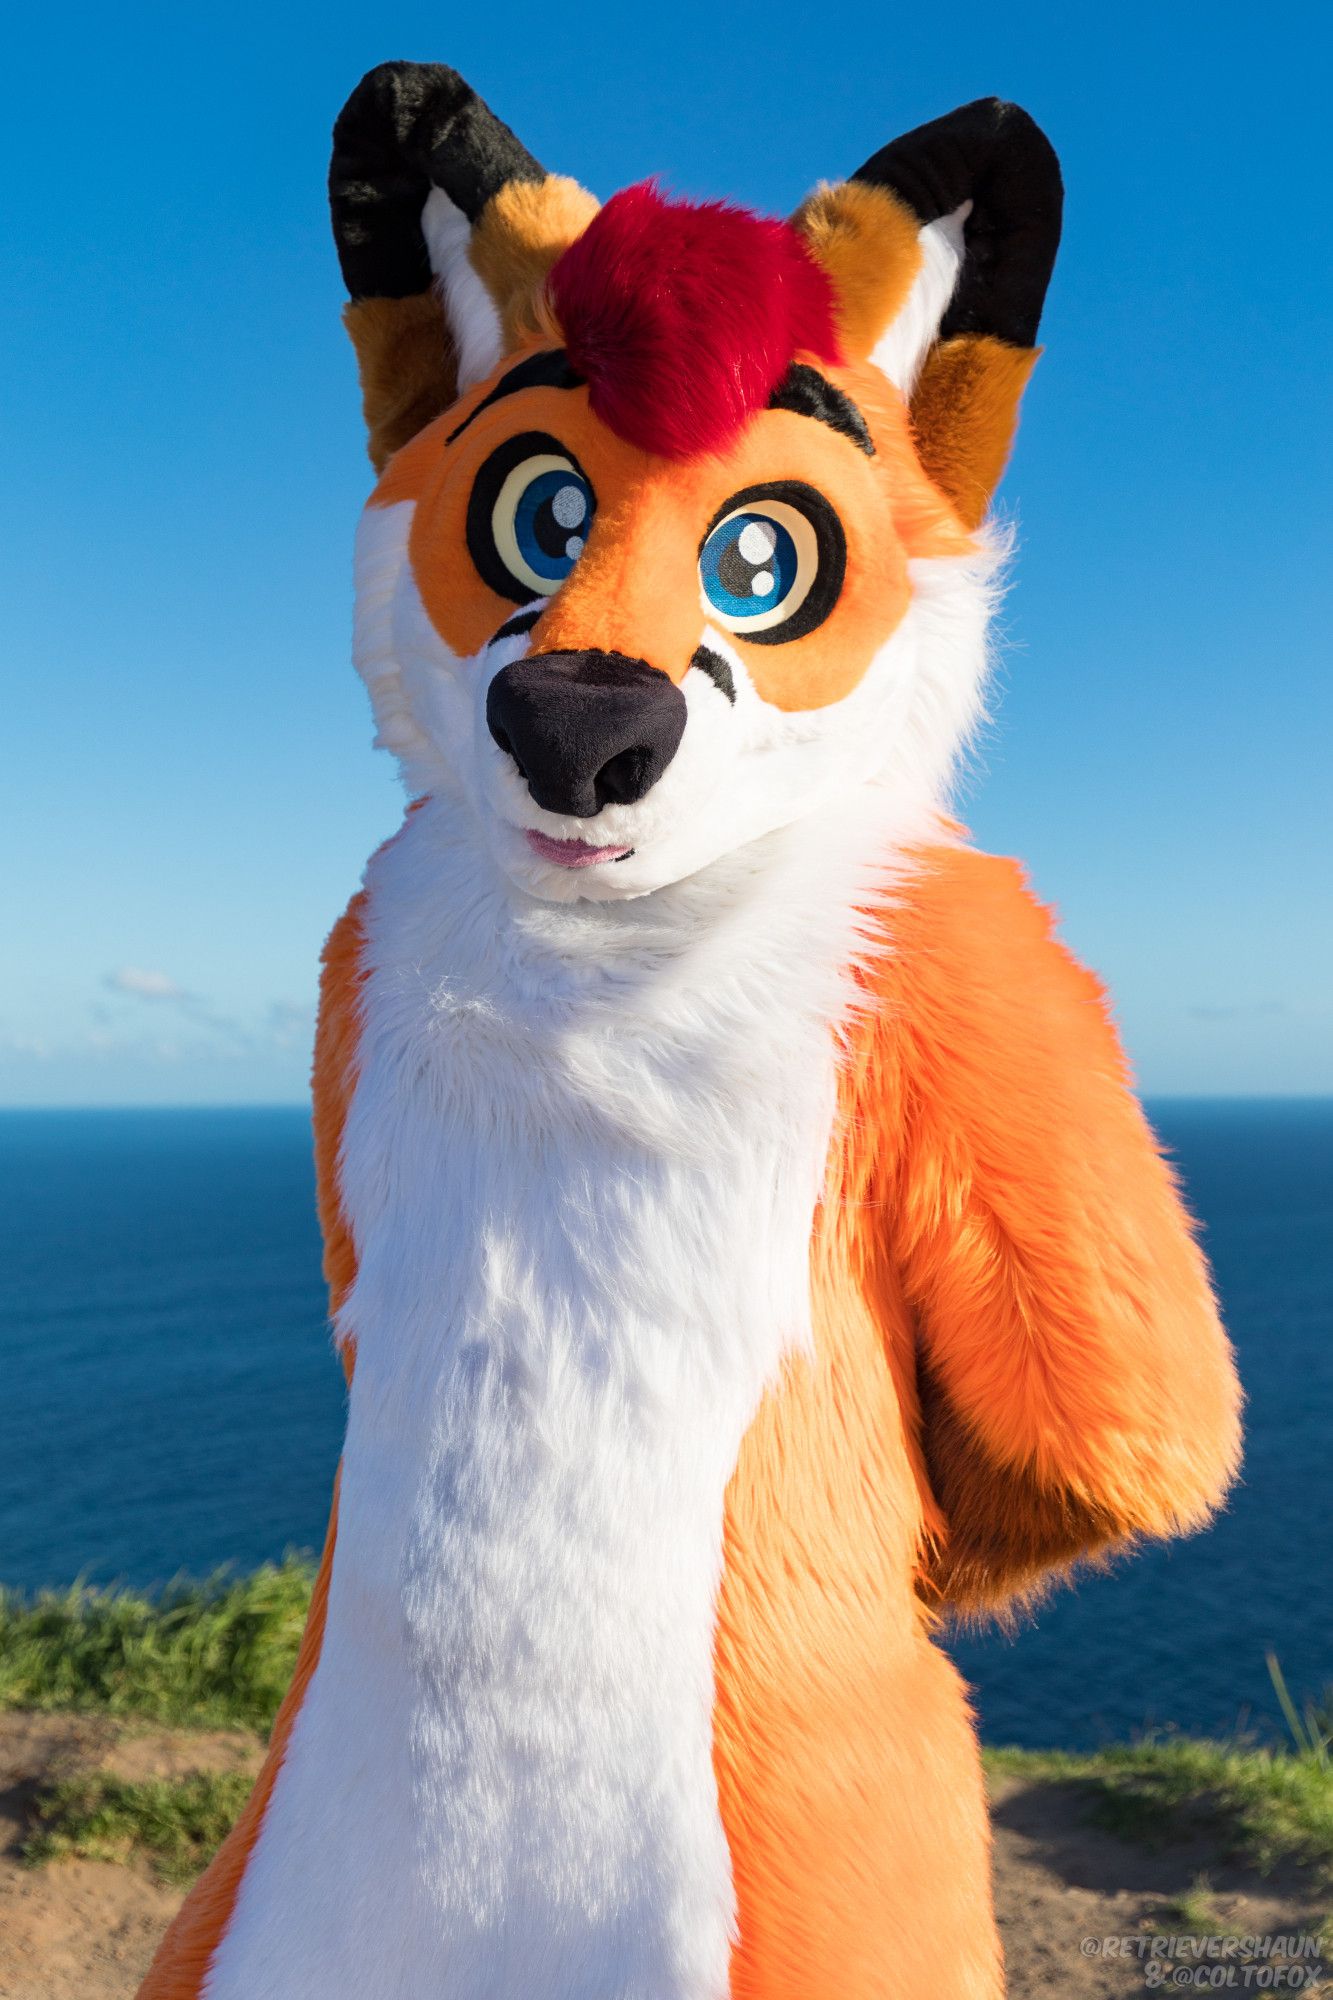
[168, 1400]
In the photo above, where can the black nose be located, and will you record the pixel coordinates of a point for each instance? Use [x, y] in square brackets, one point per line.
[586, 729]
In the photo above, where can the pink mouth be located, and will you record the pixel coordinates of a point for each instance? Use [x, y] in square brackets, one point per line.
[572, 853]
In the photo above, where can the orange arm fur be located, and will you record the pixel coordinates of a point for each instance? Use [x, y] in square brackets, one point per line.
[1076, 1387]
[334, 1079]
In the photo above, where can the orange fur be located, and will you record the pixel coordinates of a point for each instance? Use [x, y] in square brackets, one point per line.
[847, 1773]
[518, 237]
[332, 1084]
[1017, 1361]
[407, 365]
[965, 413]
[1063, 1306]
[867, 242]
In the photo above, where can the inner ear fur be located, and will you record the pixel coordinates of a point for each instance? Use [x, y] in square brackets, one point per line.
[405, 354]
[868, 245]
[993, 158]
[519, 236]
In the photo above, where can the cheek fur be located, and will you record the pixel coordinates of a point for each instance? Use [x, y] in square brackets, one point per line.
[463, 610]
[826, 666]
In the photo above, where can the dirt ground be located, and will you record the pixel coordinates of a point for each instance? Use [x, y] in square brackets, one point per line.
[85, 1930]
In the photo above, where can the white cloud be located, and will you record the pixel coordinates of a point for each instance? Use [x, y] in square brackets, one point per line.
[138, 982]
[199, 1029]
[24, 1045]
[289, 1025]
[144, 985]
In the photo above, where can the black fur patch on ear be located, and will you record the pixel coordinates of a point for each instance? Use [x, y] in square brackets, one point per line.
[998, 158]
[719, 673]
[810, 394]
[408, 127]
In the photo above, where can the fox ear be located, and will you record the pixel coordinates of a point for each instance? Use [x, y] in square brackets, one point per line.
[940, 249]
[446, 228]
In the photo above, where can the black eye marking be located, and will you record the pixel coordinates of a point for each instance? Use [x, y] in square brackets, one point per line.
[824, 561]
[486, 488]
[548, 370]
[522, 621]
[719, 673]
[810, 394]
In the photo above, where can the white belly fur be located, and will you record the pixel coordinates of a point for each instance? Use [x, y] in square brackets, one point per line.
[580, 1166]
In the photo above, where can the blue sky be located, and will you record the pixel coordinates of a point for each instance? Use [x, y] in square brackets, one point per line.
[188, 789]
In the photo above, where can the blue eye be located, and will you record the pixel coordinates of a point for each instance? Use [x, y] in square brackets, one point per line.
[552, 515]
[749, 567]
[529, 516]
[772, 564]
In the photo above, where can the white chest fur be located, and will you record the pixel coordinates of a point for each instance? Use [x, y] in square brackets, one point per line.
[580, 1165]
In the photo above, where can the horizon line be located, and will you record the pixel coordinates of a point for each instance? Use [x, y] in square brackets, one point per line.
[304, 1103]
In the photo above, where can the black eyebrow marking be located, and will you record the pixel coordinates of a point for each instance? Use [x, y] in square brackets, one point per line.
[719, 673]
[811, 394]
[522, 621]
[548, 370]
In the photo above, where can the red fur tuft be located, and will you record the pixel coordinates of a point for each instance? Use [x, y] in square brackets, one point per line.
[683, 317]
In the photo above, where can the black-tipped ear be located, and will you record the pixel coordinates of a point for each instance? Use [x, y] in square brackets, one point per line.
[995, 156]
[446, 230]
[408, 128]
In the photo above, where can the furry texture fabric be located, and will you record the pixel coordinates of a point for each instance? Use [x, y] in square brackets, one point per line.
[520, 234]
[571, 1159]
[994, 159]
[656, 303]
[910, 335]
[406, 129]
[743, 1242]
[408, 366]
[964, 412]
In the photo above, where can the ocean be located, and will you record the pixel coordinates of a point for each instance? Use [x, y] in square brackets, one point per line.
[169, 1402]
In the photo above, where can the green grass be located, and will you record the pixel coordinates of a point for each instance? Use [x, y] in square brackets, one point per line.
[177, 1825]
[1312, 1730]
[218, 1653]
[1265, 1806]
[1193, 1913]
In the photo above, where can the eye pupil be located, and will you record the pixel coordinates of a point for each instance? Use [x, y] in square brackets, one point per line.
[552, 515]
[548, 516]
[529, 516]
[749, 566]
[772, 564]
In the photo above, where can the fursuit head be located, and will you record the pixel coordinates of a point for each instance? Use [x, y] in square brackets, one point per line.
[745, 1248]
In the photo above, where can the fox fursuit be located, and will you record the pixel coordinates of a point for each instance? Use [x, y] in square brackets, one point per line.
[745, 1247]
